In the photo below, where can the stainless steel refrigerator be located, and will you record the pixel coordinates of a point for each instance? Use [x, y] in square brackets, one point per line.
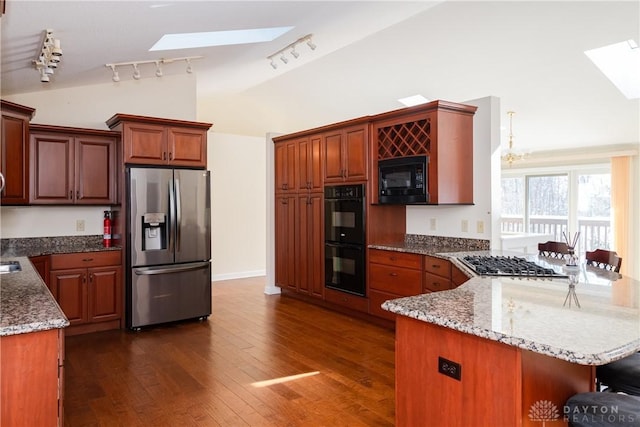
[168, 245]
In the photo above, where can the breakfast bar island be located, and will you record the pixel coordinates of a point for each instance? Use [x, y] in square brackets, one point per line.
[505, 351]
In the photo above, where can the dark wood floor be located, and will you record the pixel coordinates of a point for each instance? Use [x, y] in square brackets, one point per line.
[210, 373]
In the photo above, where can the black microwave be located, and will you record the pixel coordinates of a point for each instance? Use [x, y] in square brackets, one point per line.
[403, 180]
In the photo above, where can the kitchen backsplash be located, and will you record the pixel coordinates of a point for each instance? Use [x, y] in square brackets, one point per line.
[34, 246]
[449, 242]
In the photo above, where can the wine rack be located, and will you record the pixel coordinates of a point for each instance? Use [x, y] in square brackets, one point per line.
[404, 139]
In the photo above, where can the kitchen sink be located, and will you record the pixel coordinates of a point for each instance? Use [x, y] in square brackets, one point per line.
[9, 267]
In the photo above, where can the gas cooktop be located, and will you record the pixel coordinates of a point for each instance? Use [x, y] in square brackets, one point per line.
[508, 266]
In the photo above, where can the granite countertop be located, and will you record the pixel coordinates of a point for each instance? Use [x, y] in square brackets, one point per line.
[539, 315]
[35, 246]
[26, 305]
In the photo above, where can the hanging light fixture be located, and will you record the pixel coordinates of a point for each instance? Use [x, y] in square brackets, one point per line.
[137, 74]
[291, 48]
[511, 156]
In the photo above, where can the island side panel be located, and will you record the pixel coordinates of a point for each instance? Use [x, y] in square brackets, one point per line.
[547, 384]
[489, 389]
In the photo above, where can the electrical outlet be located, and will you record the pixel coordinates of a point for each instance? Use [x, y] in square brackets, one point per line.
[449, 368]
[432, 224]
[480, 227]
[465, 226]
[80, 225]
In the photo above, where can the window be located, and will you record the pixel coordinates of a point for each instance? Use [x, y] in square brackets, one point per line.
[560, 203]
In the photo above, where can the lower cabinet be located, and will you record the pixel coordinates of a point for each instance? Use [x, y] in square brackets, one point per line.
[88, 288]
[392, 275]
[32, 380]
[437, 274]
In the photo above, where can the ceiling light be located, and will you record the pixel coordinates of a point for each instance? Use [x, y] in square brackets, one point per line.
[511, 156]
[292, 47]
[136, 72]
[49, 56]
[218, 38]
[410, 101]
[158, 69]
[157, 62]
[116, 76]
[620, 63]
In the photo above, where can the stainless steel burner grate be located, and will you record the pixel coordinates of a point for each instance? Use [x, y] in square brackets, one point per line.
[508, 266]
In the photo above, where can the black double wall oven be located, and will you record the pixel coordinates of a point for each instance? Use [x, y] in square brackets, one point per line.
[345, 246]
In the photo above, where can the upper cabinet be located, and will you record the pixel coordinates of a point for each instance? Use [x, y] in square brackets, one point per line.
[441, 130]
[157, 141]
[345, 154]
[14, 153]
[73, 165]
[298, 164]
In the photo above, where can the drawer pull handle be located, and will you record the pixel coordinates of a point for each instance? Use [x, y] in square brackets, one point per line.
[87, 259]
[435, 266]
[393, 274]
[392, 258]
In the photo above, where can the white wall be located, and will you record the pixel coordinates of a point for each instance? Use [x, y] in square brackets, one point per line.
[238, 205]
[448, 219]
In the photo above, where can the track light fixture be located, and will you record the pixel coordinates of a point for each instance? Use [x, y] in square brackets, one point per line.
[49, 56]
[157, 62]
[292, 47]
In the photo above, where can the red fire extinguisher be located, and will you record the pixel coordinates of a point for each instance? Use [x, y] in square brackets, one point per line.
[107, 223]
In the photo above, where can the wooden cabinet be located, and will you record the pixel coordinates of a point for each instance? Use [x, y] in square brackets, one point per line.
[88, 288]
[310, 241]
[42, 264]
[158, 141]
[437, 274]
[14, 153]
[286, 166]
[347, 300]
[32, 380]
[392, 275]
[345, 154]
[458, 277]
[73, 166]
[310, 164]
[285, 241]
[441, 130]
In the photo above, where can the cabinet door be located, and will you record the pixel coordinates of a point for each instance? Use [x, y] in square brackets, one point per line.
[51, 169]
[95, 170]
[144, 144]
[310, 249]
[104, 298]
[286, 166]
[314, 170]
[285, 241]
[14, 159]
[333, 164]
[187, 147]
[355, 153]
[71, 293]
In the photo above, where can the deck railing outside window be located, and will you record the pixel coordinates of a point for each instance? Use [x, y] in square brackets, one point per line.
[594, 232]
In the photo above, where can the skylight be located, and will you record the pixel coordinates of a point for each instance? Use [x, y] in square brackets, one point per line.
[620, 62]
[410, 101]
[218, 38]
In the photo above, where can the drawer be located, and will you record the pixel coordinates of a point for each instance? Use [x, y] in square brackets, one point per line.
[376, 299]
[435, 283]
[345, 299]
[439, 266]
[85, 259]
[399, 259]
[399, 281]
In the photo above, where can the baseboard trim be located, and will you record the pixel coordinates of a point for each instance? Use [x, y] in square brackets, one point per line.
[238, 275]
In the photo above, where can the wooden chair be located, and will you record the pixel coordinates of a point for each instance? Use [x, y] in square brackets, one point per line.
[608, 260]
[553, 249]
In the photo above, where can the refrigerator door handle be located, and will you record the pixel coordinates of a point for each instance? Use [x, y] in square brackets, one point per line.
[172, 214]
[178, 207]
[148, 271]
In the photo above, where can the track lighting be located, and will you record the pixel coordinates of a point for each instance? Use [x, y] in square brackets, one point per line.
[137, 74]
[294, 52]
[49, 56]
